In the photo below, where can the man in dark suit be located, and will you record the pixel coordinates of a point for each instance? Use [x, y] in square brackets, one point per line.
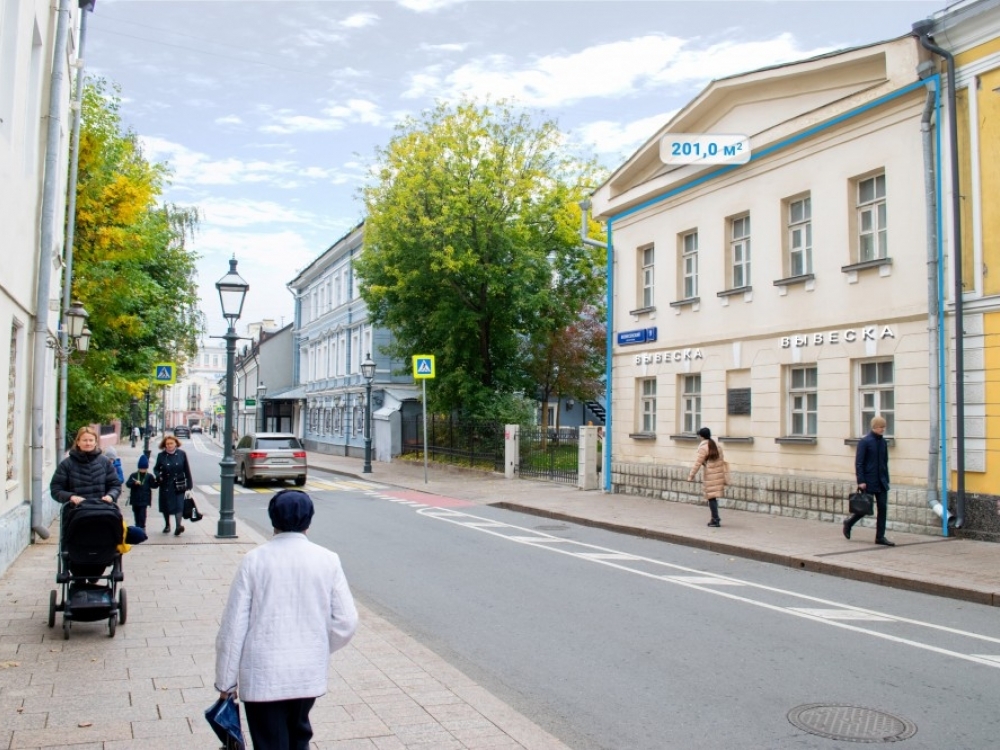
[871, 465]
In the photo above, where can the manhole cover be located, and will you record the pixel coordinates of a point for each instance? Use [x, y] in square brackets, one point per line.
[851, 723]
[552, 527]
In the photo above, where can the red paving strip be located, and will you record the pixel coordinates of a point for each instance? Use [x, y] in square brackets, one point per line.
[434, 501]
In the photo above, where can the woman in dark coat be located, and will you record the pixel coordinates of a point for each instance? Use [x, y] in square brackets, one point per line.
[85, 473]
[173, 474]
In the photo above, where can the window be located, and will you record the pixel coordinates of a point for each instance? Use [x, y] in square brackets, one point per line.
[872, 235]
[691, 403]
[359, 417]
[739, 250]
[800, 236]
[876, 395]
[646, 258]
[689, 265]
[647, 404]
[803, 400]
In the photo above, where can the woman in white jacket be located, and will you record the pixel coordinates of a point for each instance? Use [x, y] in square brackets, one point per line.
[289, 608]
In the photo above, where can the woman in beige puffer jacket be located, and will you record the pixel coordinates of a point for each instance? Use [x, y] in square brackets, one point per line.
[713, 478]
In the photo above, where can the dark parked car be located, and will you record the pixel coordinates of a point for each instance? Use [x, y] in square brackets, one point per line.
[270, 455]
[182, 432]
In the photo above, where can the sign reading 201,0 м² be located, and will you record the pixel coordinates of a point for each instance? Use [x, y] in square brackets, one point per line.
[704, 148]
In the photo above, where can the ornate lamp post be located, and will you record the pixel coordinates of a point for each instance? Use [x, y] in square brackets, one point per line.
[133, 418]
[145, 432]
[261, 392]
[232, 291]
[74, 336]
[368, 372]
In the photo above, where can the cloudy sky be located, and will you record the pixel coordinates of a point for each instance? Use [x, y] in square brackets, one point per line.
[269, 111]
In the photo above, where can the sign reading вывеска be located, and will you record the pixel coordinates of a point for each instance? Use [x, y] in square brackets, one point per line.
[843, 336]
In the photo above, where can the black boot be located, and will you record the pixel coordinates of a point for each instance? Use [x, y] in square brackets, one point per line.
[166, 528]
[713, 505]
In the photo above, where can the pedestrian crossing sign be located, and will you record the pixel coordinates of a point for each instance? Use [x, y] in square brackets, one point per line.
[423, 366]
[165, 373]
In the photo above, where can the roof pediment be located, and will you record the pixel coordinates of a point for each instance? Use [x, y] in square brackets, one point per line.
[763, 102]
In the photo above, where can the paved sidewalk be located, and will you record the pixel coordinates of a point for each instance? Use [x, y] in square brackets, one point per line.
[147, 688]
[956, 568]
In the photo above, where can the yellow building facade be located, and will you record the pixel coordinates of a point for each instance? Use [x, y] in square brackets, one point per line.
[970, 31]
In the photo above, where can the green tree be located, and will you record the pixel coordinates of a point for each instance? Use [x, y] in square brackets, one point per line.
[131, 266]
[471, 216]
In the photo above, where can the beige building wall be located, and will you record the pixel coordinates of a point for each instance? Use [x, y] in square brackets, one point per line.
[842, 120]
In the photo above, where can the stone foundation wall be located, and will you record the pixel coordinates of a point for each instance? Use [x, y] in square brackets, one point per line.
[796, 497]
[15, 530]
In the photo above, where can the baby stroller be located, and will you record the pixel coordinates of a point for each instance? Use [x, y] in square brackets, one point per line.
[88, 544]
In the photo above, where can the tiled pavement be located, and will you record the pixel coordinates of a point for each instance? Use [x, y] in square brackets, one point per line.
[147, 688]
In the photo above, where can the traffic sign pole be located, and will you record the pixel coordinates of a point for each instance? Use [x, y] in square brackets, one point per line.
[424, 381]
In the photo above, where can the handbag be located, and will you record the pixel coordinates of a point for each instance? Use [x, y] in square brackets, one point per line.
[861, 503]
[224, 718]
[191, 512]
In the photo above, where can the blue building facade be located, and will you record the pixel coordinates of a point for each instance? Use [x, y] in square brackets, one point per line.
[332, 336]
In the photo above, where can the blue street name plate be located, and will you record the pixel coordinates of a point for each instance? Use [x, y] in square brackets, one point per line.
[640, 336]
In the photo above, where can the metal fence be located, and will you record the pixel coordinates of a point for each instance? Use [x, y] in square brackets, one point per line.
[458, 441]
[550, 453]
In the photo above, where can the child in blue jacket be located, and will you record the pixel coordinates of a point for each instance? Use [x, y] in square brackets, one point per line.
[141, 485]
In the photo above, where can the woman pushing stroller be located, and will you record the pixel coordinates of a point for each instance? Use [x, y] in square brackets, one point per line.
[85, 473]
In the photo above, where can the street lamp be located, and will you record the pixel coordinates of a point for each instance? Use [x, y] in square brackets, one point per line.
[74, 336]
[261, 391]
[133, 418]
[145, 433]
[368, 372]
[232, 291]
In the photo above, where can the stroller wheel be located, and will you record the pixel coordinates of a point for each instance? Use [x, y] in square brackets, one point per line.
[65, 628]
[112, 625]
[52, 608]
[122, 606]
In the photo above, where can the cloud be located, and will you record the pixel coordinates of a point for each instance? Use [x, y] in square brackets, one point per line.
[450, 47]
[229, 120]
[192, 169]
[612, 137]
[359, 20]
[609, 71]
[219, 212]
[335, 117]
[427, 6]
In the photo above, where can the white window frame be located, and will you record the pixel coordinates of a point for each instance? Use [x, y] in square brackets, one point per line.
[647, 405]
[799, 233]
[876, 397]
[803, 400]
[739, 250]
[872, 218]
[647, 276]
[689, 264]
[690, 403]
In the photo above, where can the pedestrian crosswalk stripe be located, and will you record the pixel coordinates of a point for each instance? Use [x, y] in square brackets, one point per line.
[321, 485]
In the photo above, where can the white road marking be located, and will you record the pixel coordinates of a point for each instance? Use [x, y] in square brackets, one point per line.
[704, 580]
[842, 614]
[540, 540]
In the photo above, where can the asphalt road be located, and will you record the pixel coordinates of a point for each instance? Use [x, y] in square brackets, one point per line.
[620, 643]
